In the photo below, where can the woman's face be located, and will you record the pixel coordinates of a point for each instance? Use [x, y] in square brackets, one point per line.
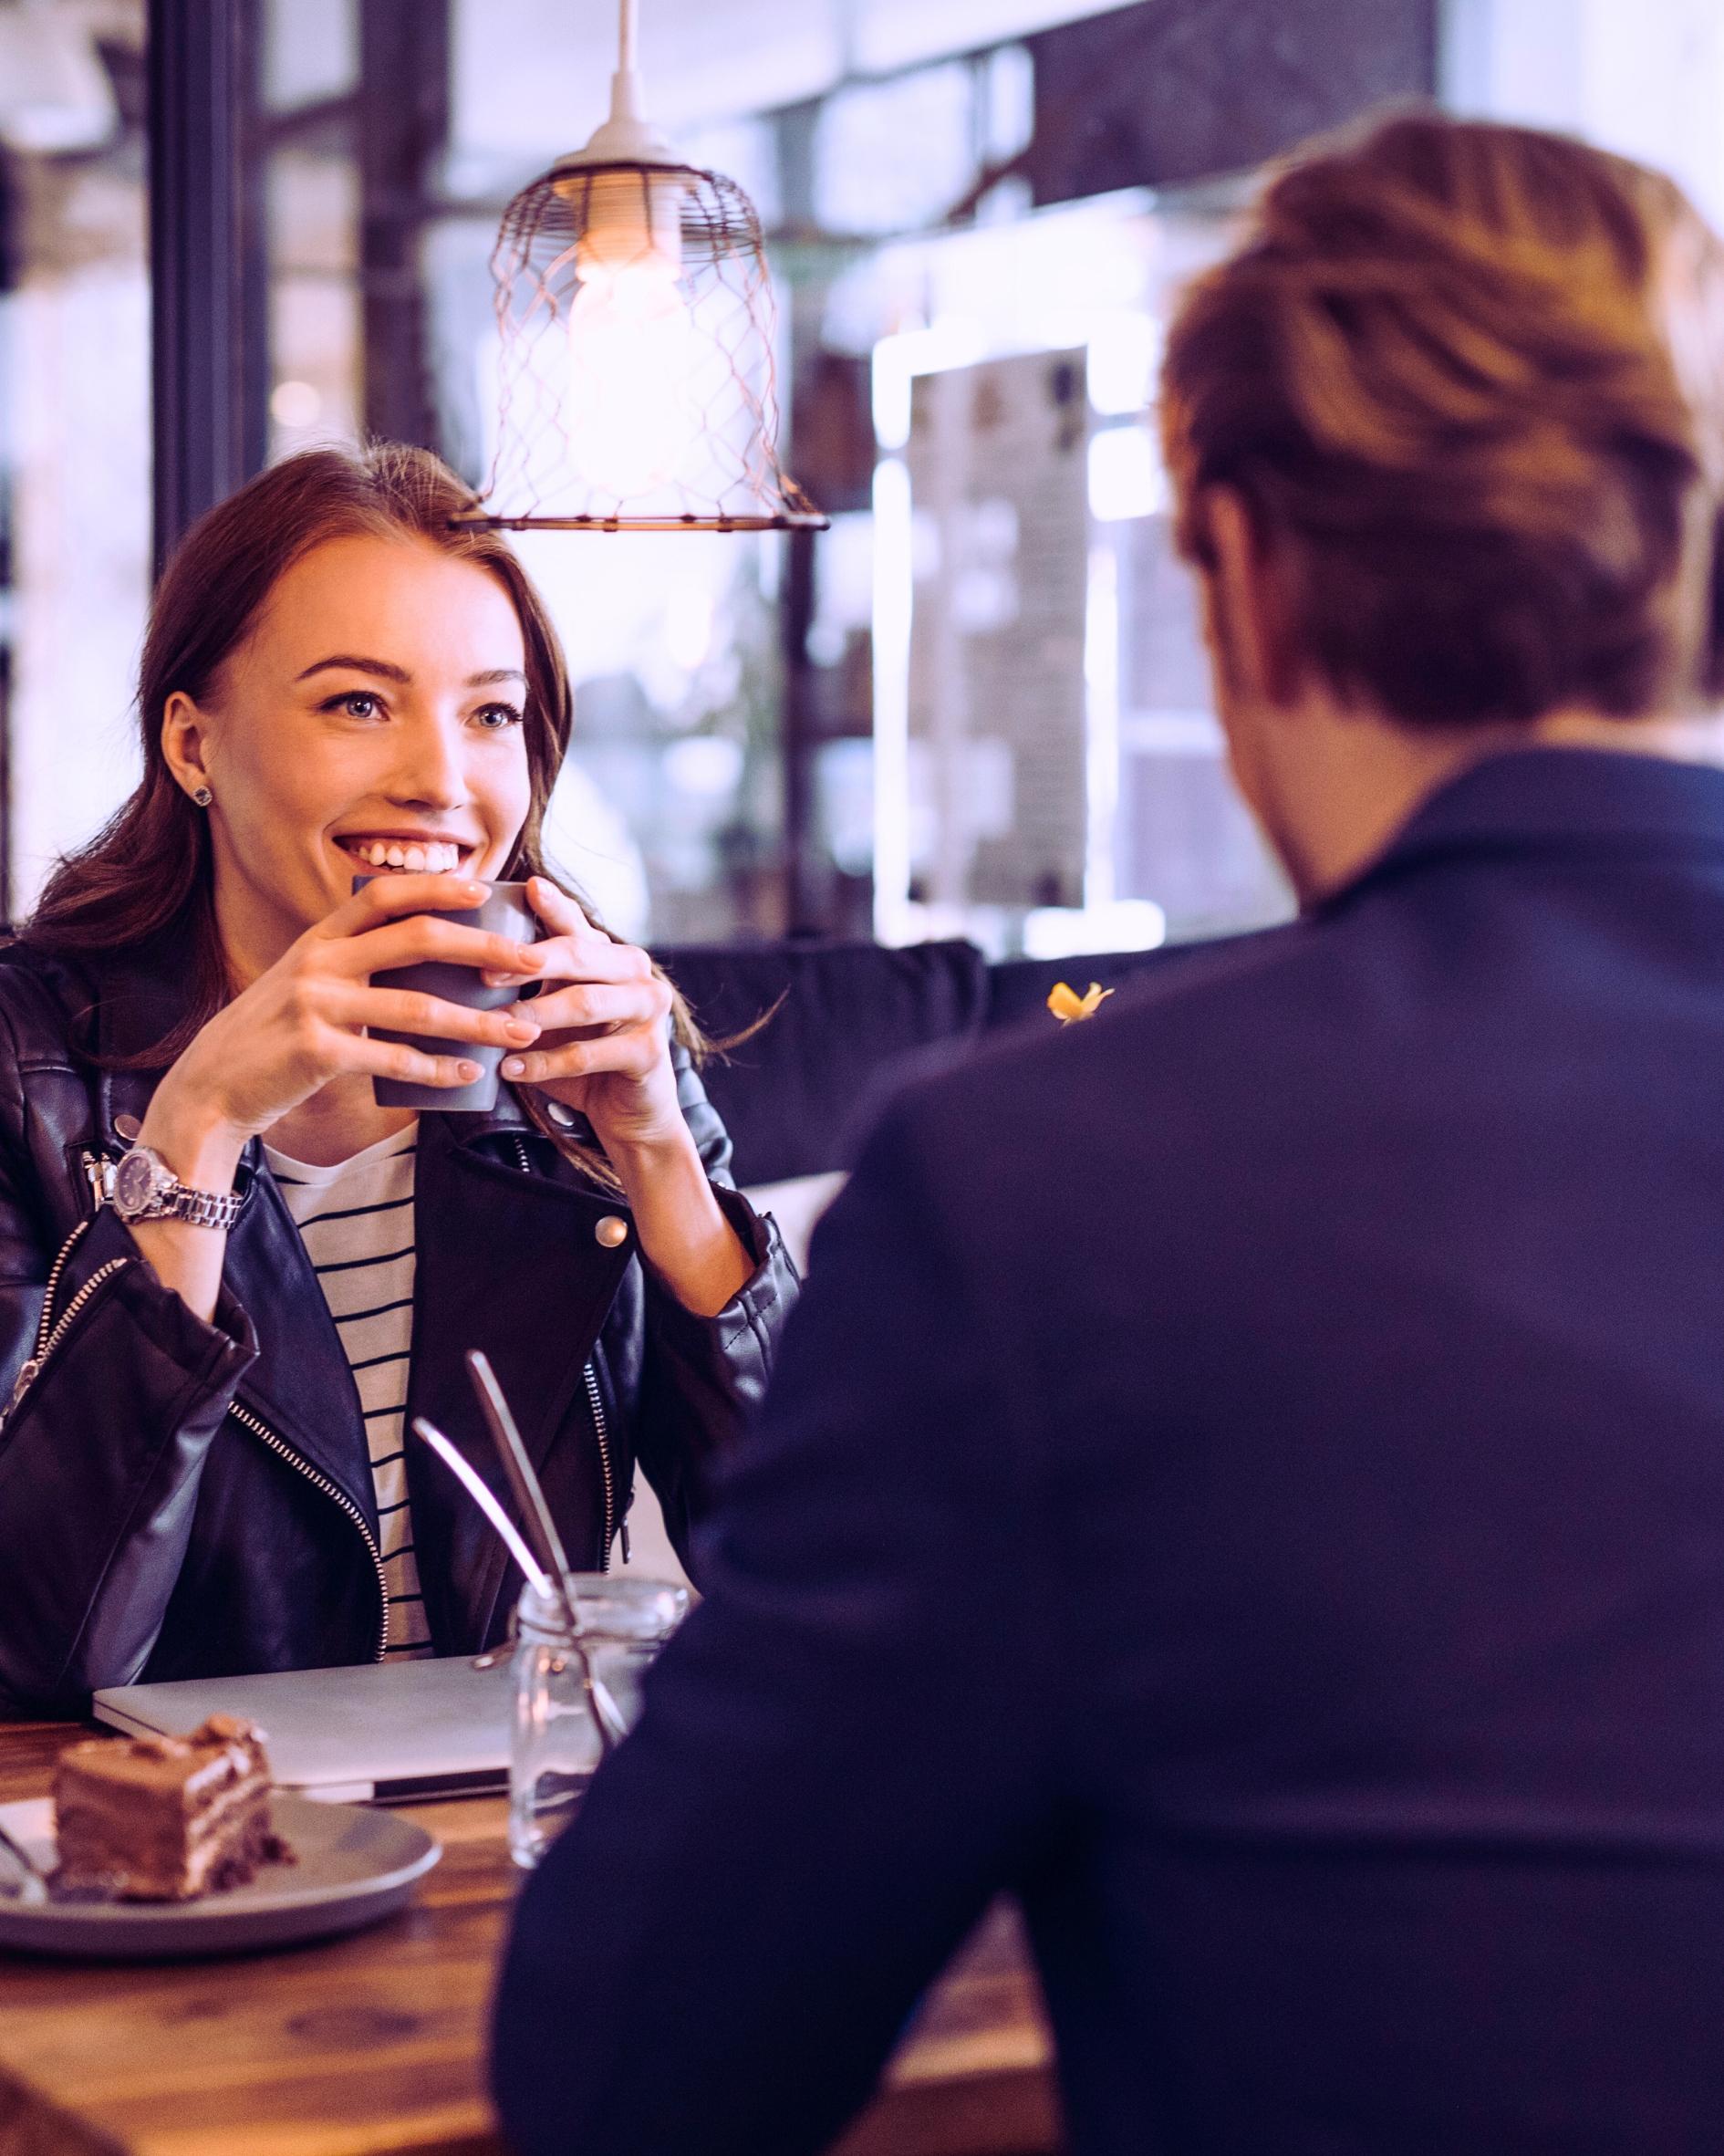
[372, 720]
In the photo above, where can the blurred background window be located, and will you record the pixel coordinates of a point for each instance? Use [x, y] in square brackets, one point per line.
[977, 705]
[75, 469]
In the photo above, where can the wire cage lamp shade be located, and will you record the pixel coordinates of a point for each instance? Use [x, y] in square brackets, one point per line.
[636, 380]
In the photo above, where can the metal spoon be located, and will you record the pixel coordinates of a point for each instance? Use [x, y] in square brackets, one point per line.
[529, 1493]
[607, 1716]
[498, 1519]
[541, 1527]
[477, 1489]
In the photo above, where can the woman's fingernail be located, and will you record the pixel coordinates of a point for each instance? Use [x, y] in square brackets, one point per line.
[513, 1065]
[468, 1070]
[522, 1029]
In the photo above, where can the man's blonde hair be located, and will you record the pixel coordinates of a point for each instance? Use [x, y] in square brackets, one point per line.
[1469, 382]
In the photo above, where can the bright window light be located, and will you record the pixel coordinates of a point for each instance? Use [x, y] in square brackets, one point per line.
[707, 766]
[1101, 717]
[295, 404]
[1125, 351]
[1069, 931]
[893, 601]
[1126, 477]
[898, 359]
[891, 155]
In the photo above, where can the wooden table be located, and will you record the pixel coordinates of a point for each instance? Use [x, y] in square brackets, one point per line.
[376, 2043]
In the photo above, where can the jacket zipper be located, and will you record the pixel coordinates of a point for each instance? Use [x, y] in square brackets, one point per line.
[49, 1334]
[600, 1431]
[47, 1325]
[600, 1428]
[51, 1331]
[282, 1451]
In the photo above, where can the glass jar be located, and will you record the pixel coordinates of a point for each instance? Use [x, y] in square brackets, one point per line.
[553, 1747]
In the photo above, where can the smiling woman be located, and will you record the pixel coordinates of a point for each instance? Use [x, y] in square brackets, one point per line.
[346, 759]
[202, 1463]
[291, 573]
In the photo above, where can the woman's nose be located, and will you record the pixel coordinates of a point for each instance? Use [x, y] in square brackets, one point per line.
[430, 773]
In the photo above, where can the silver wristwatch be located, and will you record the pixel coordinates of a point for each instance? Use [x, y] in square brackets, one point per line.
[145, 1188]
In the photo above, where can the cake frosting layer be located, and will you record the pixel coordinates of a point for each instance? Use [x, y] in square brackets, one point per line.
[163, 1818]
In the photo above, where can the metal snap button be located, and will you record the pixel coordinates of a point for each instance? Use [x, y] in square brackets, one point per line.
[127, 1127]
[560, 1113]
[612, 1232]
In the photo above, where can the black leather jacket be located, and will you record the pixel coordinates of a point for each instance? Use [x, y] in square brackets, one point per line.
[181, 1499]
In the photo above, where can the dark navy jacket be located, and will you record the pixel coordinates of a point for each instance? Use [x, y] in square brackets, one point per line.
[1248, 1477]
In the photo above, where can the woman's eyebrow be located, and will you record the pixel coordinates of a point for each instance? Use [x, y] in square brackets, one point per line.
[384, 670]
[381, 667]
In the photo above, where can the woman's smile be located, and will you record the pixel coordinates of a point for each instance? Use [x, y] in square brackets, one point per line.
[412, 853]
[371, 724]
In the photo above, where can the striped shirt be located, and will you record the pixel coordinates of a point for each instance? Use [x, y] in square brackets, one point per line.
[356, 1222]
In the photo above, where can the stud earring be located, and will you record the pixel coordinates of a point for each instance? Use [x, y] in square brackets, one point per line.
[202, 795]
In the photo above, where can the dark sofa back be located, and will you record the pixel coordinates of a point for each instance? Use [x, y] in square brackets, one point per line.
[847, 1015]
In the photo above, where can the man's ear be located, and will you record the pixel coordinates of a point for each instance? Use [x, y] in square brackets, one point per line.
[1245, 604]
[185, 741]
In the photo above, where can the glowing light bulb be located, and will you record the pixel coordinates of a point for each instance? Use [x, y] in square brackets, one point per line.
[632, 421]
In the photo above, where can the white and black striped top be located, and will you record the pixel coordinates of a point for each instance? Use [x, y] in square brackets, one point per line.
[356, 1219]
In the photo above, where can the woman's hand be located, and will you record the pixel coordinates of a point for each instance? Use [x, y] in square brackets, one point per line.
[301, 1024]
[606, 1050]
[605, 1041]
[301, 1027]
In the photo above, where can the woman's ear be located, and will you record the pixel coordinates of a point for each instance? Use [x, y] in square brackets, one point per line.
[185, 743]
[1246, 614]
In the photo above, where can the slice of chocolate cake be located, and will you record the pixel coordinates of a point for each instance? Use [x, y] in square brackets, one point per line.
[162, 1818]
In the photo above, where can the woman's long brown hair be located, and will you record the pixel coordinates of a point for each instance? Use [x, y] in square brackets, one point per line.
[148, 876]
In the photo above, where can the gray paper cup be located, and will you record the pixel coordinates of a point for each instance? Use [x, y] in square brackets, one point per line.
[504, 913]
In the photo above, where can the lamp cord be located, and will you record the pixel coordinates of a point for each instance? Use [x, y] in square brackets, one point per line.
[628, 36]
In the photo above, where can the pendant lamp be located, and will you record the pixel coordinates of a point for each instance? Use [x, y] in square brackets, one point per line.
[635, 381]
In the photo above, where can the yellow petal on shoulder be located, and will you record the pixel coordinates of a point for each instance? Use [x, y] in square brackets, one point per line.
[1066, 1005]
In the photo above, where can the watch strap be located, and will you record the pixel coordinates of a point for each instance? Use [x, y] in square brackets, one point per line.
[203, 1209]
[169, 1199]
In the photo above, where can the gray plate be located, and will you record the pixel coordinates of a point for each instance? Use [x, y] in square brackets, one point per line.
[354, 1867]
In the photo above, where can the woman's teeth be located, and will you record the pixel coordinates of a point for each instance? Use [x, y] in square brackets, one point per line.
[435, 857]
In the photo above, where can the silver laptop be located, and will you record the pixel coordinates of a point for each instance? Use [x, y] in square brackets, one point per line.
[382, 1733]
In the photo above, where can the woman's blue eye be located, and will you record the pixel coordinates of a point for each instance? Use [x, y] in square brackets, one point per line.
[364, 703]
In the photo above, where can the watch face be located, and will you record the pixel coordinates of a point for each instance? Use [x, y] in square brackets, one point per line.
[134, 1182]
